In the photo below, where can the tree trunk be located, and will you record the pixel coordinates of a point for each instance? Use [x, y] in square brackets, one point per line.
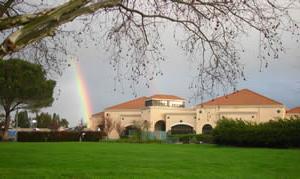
[45, 23]
[6, 125]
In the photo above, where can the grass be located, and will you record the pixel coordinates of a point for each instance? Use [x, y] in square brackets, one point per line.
[122, 160]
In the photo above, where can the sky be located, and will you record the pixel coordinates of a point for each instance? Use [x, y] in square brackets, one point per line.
[280, 81]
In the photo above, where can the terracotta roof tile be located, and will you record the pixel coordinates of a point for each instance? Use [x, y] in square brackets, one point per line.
[98, 114]
[294, 110]
[140, 102]
[242, 97]
[132, 104]
[163, 96]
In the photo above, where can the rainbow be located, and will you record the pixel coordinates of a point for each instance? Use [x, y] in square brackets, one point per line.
[86, 106]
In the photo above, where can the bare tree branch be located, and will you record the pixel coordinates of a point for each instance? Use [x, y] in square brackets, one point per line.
[206, 30]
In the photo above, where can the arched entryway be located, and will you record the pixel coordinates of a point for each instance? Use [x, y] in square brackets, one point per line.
[160, 126]
[207, 129]
[182, 129]
[130, 130]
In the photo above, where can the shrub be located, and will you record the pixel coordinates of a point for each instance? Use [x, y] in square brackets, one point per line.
[59, 136]
[131, 140]
[183, 138]
[190, 138]
[275, 133]
[93, 136]
[205, 138]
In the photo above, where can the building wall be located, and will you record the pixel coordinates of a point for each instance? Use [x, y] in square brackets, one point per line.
[179, 119]
[270, 113]
[126, 117]
[175, 116]
[211, 114]
[95, 121]
[288, 115]
[171, 116]
[194, 117]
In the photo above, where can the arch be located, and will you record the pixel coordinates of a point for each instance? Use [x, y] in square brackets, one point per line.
[182, 129]
[130, 130]
[160, 126]
[128, 124]
[182, 123]
[207, 129]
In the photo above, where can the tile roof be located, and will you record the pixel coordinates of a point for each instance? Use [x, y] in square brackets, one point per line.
[294, 110]
[98, 114]
[132, 104]
[242, 97]
[140, 102]
[163, 96]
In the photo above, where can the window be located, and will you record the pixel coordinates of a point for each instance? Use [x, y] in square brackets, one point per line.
[207, 129]
[278, 111]
[160, 126]
[148, 103]
[159, 103]
[179, 104]
[164, 103]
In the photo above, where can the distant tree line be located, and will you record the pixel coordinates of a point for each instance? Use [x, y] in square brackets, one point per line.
[24, 86]
[43, 120]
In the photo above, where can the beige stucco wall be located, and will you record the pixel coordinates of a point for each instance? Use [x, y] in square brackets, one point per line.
[195, 117]
[153, 115]
[95, 121]
[263, 113]
[179, 119]
[171, 115]
[288, 115]
[156, 113]
[126, 117]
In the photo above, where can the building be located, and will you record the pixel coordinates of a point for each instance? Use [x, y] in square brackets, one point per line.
[244, 104]
[295, 112]
[168, 112]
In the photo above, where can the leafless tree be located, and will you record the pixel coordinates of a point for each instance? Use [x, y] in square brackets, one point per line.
[106, 125]
[119, 128]
[207, 30]
[142, 125]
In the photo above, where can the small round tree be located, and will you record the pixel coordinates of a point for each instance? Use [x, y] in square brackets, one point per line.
[23, 86]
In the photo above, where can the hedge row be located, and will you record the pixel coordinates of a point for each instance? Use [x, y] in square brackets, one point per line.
[59, 136]
[133, 140]
[190, 138]
[278, 133]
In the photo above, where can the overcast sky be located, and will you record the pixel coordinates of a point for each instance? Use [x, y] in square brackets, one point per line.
[280, 81]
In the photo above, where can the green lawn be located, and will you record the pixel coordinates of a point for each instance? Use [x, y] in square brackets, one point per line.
[115, 160]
